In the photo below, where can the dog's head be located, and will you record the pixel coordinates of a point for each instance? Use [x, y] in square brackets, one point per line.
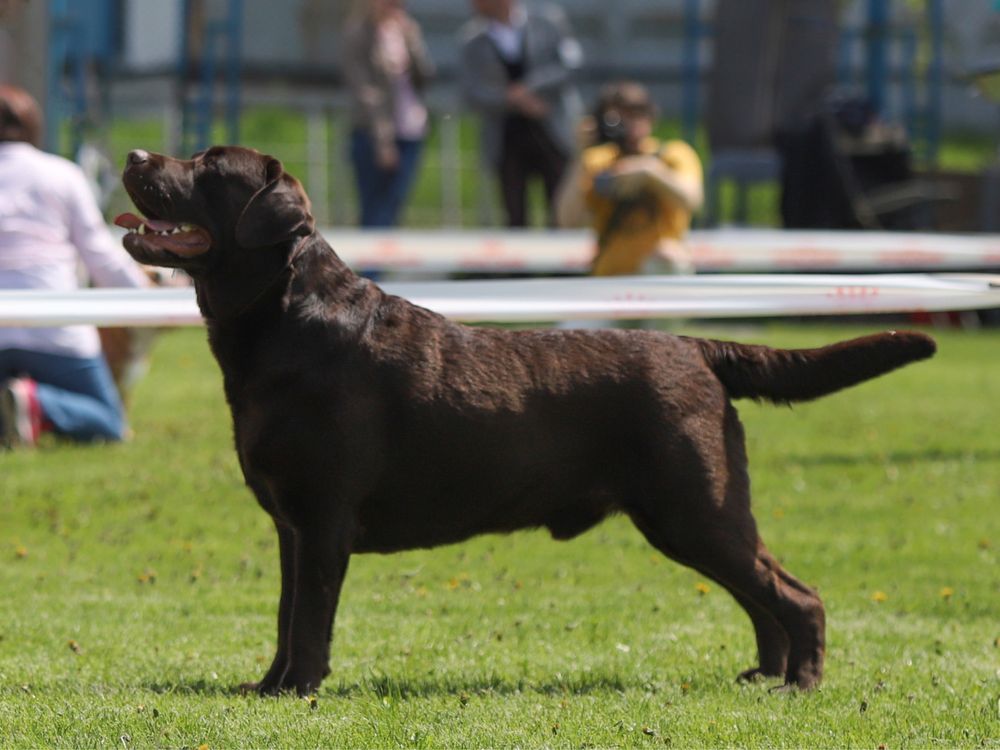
[196, 211]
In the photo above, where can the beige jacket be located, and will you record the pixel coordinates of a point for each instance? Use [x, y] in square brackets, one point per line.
[368, 80]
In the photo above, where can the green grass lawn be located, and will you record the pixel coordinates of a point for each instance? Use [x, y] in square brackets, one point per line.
[140, 586]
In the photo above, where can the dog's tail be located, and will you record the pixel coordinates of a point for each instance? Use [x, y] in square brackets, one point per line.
[786, 375]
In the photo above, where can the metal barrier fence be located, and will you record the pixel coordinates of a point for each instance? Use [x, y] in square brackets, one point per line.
[310, 134]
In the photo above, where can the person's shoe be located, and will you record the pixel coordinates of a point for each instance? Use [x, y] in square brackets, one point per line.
[20, 413]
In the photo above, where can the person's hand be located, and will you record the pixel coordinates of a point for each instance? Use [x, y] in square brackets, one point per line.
[631, 175]
[515, 93]
[521, 99]
[387, 156]
[637, 164]
[534, 106]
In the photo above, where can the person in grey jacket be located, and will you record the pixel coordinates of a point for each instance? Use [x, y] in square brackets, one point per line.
[386, 67]
[517, 68]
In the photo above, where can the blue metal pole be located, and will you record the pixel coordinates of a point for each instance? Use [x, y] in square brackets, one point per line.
[183, 72]
[234, 50]
[878, 35]
[691, 73]
[935, 79]
[58, 50]
[908, 82]
[205, 104]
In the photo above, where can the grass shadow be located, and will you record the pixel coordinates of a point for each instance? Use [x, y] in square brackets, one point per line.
[200, 687]
[404, 687]
[901, 457]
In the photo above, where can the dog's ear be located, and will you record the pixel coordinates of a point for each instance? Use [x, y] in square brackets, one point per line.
[277, 212]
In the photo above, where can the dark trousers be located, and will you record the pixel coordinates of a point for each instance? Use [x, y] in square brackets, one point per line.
[528, 151]
[77, 394]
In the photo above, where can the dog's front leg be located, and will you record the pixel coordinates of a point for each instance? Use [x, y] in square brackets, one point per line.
[320, 563]
[271, 682]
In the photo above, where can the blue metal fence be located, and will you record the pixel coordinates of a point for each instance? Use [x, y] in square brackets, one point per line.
[85, 42]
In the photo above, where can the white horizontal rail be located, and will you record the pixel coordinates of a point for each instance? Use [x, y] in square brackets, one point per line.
[440, 252]
[712, 250]
[561, 299]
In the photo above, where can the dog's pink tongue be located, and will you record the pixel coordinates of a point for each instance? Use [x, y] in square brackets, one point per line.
[158, 225]
[128, 221]
[131, 221]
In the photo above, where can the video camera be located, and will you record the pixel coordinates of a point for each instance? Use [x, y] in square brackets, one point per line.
[611, 127]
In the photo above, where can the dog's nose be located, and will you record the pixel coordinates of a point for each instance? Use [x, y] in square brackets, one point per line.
[137, 157]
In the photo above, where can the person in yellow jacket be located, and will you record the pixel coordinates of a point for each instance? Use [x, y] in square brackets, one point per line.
[637, 192]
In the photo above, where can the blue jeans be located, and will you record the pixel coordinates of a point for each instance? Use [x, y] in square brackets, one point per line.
[382, 192]
[77, 394]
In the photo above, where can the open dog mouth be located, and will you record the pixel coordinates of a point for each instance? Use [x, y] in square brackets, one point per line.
[179, 239]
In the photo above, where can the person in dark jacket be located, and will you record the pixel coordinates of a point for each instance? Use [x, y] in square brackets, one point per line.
[517, 69]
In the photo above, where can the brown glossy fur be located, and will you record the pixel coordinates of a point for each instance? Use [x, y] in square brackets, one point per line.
[366, 424]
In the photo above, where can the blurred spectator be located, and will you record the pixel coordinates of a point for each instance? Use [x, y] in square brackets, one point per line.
[516, 70]
[52, 378]
[387, 68]
[844, 167]
[636, 192]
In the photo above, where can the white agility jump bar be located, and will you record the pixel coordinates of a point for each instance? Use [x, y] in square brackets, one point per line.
[436, 252]
[712, 251]
[509, 301]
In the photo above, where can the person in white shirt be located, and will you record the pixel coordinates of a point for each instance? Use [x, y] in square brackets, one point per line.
[53, 378]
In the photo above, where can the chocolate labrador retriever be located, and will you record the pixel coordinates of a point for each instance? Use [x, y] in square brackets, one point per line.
[364, 423]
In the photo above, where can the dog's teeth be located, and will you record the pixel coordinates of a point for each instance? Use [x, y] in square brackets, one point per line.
[186, 227]
[141, 229]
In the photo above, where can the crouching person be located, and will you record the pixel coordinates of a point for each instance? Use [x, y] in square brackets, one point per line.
[53, 379]
[636, 192]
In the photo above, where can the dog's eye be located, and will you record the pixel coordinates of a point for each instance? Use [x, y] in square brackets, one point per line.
[208, 157]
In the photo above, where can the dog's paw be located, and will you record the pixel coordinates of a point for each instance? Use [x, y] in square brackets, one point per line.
[796, 684]
[758, 674]
[263, 688]
[302, 684]
[788, 687]
[246, 688]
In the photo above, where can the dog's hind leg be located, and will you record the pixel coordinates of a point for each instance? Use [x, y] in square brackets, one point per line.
[702, 519]
[799, 610]
[772, 640]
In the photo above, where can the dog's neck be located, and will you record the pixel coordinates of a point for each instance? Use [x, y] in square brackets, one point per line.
[261, 286]
[229, 292]
[240, 315]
